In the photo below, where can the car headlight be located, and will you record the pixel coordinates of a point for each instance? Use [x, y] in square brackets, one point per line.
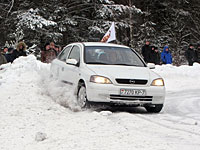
[158, 82]
[100, 79]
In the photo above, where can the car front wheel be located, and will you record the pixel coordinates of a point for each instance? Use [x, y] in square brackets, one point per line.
[82, 97]
[154, 109]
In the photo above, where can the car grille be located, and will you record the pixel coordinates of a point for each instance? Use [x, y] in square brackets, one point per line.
[131, 98]
[131, 81]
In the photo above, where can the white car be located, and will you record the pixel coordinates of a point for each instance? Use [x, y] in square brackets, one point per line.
[110, 74]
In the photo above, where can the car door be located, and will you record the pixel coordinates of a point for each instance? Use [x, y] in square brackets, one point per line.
[70, 73]
[60, 62]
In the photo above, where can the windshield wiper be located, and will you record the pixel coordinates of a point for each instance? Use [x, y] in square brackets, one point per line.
[101, 63]
[125, 64]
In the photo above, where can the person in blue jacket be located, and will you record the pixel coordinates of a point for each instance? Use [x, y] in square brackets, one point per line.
[166, 56]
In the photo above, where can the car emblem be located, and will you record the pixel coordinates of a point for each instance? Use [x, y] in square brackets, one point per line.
[132, 81]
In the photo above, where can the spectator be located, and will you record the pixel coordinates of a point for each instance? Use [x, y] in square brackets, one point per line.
[52, 46]
[8, 55]
[2, 59]
[146, 49]
[166, 56]
[58, 49]
[156, 56]
[198, 53]
[20, 51]
[190, 55]
[152, 55]
[5, 50]
[43, 52]
[49, 53]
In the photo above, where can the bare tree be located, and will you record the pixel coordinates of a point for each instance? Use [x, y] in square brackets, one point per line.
[5, 8]
[11, 6]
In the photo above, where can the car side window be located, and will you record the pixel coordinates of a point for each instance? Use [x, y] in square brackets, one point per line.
[64, 54]
[75, 53]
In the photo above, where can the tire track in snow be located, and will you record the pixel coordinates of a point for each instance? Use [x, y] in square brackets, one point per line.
[164, 125]
[152, 133]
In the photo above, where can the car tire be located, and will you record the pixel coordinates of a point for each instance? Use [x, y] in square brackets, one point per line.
[82, 97]
[154, 109]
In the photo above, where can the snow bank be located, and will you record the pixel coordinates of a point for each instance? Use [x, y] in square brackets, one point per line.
[32, 71]
[180, 78]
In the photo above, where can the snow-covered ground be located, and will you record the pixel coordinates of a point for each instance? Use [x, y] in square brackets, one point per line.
[33, 116]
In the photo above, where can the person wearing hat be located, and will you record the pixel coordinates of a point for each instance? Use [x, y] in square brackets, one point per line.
[190, 55]
[146, 50]
[166, 56]
[156, 56]
[151, 55]
[19, 51]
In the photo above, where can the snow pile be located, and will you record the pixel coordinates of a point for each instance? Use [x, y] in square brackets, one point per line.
[180, 78]
[60, 92]
[28, 70]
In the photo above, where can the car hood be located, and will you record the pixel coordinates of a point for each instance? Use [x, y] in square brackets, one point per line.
[126, 72]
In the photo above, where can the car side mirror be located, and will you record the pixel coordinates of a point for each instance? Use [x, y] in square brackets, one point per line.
[72, 62]
[151, 65]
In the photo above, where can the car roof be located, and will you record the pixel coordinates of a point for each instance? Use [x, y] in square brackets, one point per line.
[102, 44]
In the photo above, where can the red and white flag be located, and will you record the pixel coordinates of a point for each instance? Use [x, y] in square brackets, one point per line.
[110, 34]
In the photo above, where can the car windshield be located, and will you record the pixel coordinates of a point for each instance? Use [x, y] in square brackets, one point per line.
[107, 55]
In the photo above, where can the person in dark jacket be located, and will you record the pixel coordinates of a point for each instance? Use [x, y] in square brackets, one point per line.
[151, 55]
[166, 56]
[48, 54]
[5, 50]
[198, 53]
[20, 51]
[156, 56]
[8, 55]
[190, 55]
[146, 49]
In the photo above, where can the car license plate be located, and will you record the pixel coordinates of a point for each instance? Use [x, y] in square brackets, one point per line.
[132, 92]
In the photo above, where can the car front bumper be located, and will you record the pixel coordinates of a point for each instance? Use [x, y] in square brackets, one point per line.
[109, 93]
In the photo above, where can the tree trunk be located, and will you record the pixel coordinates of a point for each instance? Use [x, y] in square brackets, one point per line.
[131, 25]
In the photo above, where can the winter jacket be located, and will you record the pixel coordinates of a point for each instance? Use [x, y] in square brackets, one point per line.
[146, 49]
[155, 58]
[17, 54]
[47, 56]
[166, 57]
[19, 51]
[198, 55]
[8, 57]
[191, 56]
[2, 59]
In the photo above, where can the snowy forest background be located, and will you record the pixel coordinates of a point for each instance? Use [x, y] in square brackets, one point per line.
[165, 22]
